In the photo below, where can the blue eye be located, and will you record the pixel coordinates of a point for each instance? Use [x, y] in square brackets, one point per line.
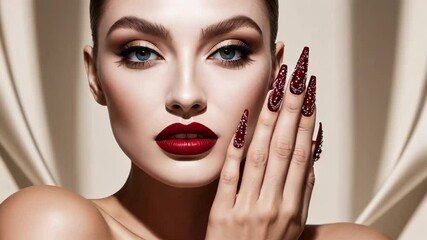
[138, 57]
[140, 54]
[233, 56]
[229, 53]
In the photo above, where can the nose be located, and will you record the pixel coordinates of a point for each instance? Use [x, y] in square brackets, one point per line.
[186, 97]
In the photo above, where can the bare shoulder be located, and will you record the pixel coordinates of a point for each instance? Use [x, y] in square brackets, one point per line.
[48, 212]
[348, 231]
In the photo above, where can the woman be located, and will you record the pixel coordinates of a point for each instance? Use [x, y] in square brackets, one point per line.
[177, 78]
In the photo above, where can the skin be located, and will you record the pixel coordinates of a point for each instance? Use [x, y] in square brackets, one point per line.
[184, 78]
[172, 197]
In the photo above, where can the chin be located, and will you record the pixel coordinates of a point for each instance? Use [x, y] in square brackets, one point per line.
[189, 181]
[188, 174]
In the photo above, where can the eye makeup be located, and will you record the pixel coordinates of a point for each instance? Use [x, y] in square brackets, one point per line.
[137, 55]
[225, 54]
[232, 54]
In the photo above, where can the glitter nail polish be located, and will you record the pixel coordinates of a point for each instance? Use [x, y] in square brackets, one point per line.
[276, 96]
[297, 84]
[310, 98]
[318, 144]
[239, 138]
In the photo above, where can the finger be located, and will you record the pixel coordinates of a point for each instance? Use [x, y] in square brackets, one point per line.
[283, 139]
[229, 177]
[257, 155]
[302, 157]
[315, 152]
[307, 195]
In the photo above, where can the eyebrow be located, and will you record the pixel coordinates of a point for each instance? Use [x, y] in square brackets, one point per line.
[228, 25]
[158, 30]
[140, 25]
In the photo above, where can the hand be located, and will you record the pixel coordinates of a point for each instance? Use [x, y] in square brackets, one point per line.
[278, 178]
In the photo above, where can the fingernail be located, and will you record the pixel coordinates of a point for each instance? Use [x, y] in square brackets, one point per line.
[297, 84]
[239, 138]
[310, 98]
[276, 95]
[319, 143]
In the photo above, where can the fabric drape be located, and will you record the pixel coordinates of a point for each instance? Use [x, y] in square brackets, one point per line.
[52, 132]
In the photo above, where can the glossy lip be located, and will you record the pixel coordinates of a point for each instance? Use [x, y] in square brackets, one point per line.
[186, 146]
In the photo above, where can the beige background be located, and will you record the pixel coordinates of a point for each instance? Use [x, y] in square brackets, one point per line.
[370, 59]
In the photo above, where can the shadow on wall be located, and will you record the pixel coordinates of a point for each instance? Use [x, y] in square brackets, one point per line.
[57, 26]
[18, 175]
[374, 30]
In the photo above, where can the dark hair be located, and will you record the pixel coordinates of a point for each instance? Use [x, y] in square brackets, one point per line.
[96, 9]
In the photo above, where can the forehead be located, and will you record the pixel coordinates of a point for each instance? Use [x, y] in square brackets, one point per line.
[190, 15]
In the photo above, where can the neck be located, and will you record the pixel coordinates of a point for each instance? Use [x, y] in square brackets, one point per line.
[167, 212]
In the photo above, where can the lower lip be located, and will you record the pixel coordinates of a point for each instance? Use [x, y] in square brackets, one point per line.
[186, 146]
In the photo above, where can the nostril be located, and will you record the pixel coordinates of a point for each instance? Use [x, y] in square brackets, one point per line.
[196, 106]
[175, 106]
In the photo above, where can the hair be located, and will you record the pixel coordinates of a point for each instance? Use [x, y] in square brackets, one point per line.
[96, 8]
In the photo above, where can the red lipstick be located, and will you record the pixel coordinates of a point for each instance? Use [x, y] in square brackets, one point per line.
[191, 139]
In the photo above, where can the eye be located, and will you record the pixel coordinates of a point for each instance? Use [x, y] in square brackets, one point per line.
[137, 56]
[142, 54]
[228, 53]
[233, 56]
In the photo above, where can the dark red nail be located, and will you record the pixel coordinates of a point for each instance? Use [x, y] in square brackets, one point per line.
[318, 145]
[276, 96]
[239, 138]
[298, 79]
[310, 98]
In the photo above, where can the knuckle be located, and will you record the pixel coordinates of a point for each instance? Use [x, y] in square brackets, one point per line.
[265, 121]
[242, 217]
[304, 127]
[268, 214]
[290, 211]
[232, 155]
[292, 106]
[283, 148]
[258, 158]
[300, 156]
[229, 177]
[218, 218]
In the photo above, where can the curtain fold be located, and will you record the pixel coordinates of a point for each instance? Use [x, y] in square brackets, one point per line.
[27, 142]
[404, 160]
[21, 112]
[410, 171]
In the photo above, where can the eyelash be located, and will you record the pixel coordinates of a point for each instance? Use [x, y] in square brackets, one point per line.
[243, 48]
[244, 59]
[125, 52]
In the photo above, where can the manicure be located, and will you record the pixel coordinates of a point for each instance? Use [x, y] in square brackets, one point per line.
[297, 85]
[276, 96]
[310, 98]
[239, 138]
[318, 145]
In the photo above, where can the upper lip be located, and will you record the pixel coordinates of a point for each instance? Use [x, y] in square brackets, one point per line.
[193, 128]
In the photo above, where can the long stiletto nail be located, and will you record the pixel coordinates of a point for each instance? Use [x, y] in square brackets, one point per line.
[310, 98]
[239, 138]
[298, 79]
[276, 96]
[318, 145]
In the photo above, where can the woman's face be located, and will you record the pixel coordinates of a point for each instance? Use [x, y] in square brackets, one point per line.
[164, 62]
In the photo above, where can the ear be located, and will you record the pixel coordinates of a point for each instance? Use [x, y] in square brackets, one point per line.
[92, 76]
[278, 58]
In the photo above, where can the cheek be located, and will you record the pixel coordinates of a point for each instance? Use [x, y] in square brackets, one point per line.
[130, 99]
[238, 90]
